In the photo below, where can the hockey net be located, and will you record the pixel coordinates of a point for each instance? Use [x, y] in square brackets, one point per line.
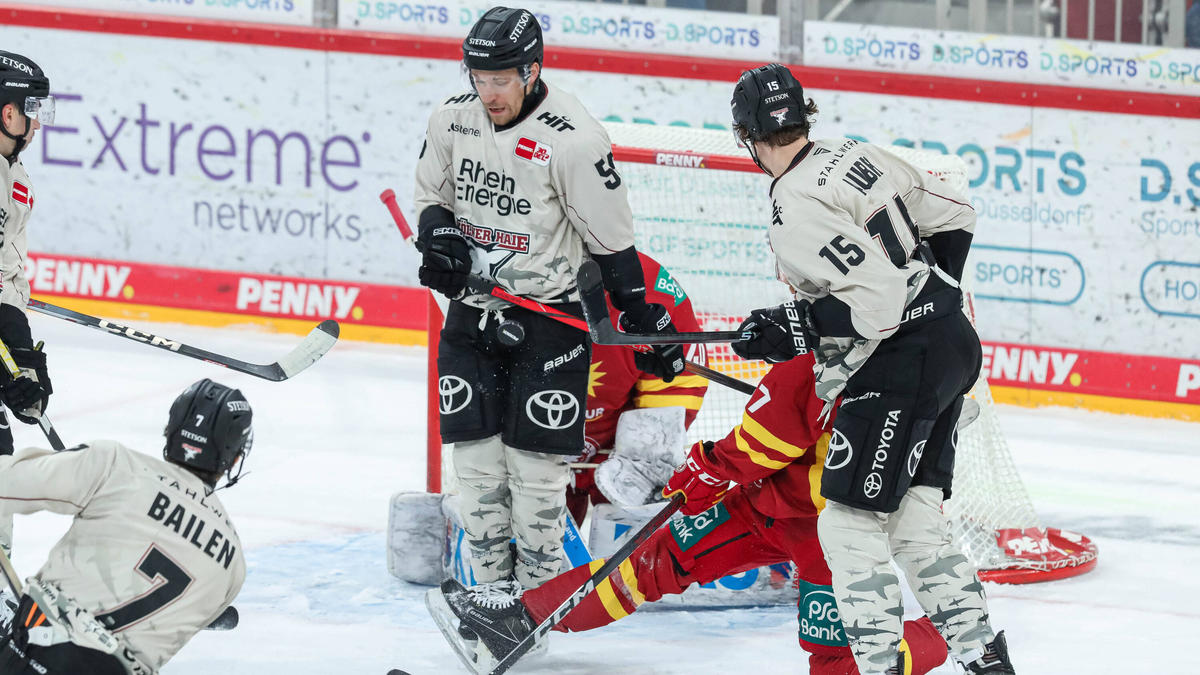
[701, 209]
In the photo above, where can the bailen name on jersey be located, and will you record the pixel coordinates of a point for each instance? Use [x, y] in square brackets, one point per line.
[475, 184]
[191, 527]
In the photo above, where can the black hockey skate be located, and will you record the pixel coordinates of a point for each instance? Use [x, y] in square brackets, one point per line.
[483, 623]
[994, 660]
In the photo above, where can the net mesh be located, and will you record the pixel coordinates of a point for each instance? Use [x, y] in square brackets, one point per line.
[709, 229]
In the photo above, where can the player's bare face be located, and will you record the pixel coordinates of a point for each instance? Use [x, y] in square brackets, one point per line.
[14, 123]
[502, 93]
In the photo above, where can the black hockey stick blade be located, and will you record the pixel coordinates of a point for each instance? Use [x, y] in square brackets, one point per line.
[319, 341]
[718, 377]
[595, 310]
[227, 621]
[588, 586]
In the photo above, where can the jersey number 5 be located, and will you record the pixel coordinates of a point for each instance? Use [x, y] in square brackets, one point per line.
[607, 170]
[168, 581]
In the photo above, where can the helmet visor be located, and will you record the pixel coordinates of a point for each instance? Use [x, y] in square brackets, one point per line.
[40, 109]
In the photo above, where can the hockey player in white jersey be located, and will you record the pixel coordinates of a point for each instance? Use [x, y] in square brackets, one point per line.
[151, 557]
[873, 249]
[516, 184]
[25, 104]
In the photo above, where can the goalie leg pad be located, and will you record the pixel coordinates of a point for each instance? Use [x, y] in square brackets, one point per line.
[649, 444]
[416, 537]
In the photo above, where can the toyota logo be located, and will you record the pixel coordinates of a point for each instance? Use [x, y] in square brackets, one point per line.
[839, 452]
[914, 458]
[872, 485]
[450, 390]
[552, 409]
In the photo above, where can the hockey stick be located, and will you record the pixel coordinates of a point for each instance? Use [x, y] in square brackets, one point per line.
[320, 340]
[482, 286]
[14, 371]
[595, 310]
[228, 620]
[10, 575]
[588, 586]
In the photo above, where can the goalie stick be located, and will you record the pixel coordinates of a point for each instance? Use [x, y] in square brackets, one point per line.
[320, 340]
[481, 286]
[14, 371]
[595, 310]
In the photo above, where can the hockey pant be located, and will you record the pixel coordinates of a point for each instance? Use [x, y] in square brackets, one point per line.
[504, 493]
[66, 658]
[728, 539]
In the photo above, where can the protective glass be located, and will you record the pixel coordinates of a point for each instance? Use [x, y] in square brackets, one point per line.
[40, 109]
[484, 82]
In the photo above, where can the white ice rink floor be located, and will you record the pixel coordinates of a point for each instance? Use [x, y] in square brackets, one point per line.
[333, 444]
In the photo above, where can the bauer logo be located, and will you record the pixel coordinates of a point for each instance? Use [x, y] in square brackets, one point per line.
[684, 160]
[529, 149]
[295, 298]
[76, 277]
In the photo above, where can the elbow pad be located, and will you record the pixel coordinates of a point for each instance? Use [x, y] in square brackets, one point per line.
[622, 274]
[14, 327]
[950, 251]
[832, 318]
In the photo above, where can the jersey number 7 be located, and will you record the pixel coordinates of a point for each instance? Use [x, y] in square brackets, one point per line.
[168, 581]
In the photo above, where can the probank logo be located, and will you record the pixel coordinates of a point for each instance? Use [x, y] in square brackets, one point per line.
[289, 298]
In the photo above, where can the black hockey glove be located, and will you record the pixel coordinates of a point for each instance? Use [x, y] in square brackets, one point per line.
[780, 333]
[665, 361]
[28, 395]
[445, 260]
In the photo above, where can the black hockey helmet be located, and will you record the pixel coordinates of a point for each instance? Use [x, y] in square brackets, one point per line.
[766, 99]
[208, 430]
[23, 84]
[504, 38]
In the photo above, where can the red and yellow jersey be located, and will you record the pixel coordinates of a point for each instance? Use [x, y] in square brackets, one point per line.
[616, 385]
[778, 451]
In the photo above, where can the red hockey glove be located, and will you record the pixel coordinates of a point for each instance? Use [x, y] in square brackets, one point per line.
[694, 480]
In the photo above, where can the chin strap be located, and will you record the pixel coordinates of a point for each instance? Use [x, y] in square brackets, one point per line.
[19, 140]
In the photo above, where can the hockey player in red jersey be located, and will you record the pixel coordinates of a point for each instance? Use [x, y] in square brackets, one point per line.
[776, 456]
[619, 390]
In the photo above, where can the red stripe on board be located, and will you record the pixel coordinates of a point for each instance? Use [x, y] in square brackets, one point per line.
[629, 63]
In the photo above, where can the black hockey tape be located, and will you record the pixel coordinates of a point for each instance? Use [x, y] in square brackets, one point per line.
[591, 296]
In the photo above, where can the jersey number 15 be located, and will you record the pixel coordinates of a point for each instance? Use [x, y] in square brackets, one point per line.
[880, 227]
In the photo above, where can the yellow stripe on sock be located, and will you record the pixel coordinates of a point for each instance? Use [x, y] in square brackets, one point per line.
[630, 579]
[608, 597]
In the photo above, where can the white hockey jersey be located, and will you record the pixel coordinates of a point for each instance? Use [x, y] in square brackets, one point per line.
[847, 218]
[15, 207]
[151, 553]
[529, 197]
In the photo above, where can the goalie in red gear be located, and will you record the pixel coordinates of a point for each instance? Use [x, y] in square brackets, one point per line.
[616, 385]
[776, 456]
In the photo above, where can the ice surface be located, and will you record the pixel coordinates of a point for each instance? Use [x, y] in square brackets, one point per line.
[333, 444]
